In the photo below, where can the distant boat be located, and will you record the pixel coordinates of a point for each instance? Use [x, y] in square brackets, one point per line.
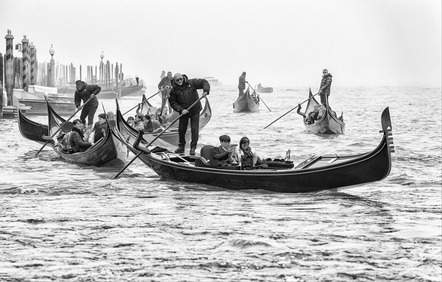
[246, 103]
[213, 81]
[262, 89]
[34, 101]
[329, 123]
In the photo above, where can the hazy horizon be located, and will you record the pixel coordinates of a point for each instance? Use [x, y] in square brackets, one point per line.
[278, 43]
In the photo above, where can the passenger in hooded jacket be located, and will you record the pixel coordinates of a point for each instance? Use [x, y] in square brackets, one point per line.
[83, 93]
[182, 96]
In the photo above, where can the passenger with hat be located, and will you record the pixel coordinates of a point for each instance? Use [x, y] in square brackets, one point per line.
[183, 95]
[224, 155]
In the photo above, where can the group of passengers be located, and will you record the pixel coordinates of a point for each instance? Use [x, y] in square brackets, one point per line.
[227, 155]
[80, 138]
[147, 123]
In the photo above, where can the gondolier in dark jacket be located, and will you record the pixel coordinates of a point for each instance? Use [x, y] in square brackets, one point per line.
[83, 93]
[242, 84]
[165, 85]
[182, 96]
[324, 89]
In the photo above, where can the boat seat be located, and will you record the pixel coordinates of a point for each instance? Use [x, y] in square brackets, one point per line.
[206, 158]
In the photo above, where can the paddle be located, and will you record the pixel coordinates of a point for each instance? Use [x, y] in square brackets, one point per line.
[158, 136]
[260, 98]
[59, 128]
[290, 110]
[140, 103]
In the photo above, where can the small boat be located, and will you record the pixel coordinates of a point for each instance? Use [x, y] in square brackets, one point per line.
[329, 123]
[316, 173]
[108, 151]
[262, 89]
[34, 101]
[213, 81]
[246, 102]
[168, 139]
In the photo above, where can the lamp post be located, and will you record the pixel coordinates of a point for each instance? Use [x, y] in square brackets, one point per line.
[102, 68]
[51, 68]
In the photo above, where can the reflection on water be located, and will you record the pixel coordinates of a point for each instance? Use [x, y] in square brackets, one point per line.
[64, 221]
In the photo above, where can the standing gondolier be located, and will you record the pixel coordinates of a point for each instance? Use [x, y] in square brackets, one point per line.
[182, 96]
[83, 93]
[324, 89]
[242, 84]
[165, 85]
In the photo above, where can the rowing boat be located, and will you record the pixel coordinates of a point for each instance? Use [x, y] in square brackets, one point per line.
[329, 123]
[246, 102]
[316, 173]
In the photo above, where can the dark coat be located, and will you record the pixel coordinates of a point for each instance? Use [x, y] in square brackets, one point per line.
[326, 82]
[220, 156]
[76, 141]
[85, 93]
[242, 82]
[182, 97]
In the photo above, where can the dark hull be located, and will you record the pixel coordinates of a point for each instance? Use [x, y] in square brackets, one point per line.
[245, 103]
[32, 130]
[320, 173]
[329, 124]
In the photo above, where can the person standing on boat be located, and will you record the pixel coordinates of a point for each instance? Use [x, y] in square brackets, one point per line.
[242, 84]
[324, 89]
[83, 93]
[182, 96]
[165, 85]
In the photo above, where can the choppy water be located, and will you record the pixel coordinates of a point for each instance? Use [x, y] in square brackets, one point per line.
[61, 221]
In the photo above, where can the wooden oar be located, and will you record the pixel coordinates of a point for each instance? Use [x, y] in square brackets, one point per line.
[158, 136]
[290, 110]
[260, 98]
[140, 103]
[55, 133]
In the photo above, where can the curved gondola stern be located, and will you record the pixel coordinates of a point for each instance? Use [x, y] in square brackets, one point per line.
[387, 129]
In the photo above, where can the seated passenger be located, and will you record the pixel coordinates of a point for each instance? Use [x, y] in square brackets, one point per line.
[224, 155]
[139, 121]
[100, 128]
[307, 119]
[248, 159]
[131, 121]
[73, 141]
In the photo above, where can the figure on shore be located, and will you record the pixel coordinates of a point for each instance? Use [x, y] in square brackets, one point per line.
[242, 84]
[83, 93]
[324, 89]
[182, 96]
[137, 79]
[165, 85]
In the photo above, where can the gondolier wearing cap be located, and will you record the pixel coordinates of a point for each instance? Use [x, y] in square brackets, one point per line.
[324, 89]
[83, 93]
[182, 96]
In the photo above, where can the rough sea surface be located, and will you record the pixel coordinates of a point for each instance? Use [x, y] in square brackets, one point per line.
[65, 222]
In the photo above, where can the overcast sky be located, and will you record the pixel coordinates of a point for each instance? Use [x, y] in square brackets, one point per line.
[277, 42]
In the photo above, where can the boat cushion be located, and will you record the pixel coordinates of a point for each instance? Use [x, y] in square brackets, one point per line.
[206, 153]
